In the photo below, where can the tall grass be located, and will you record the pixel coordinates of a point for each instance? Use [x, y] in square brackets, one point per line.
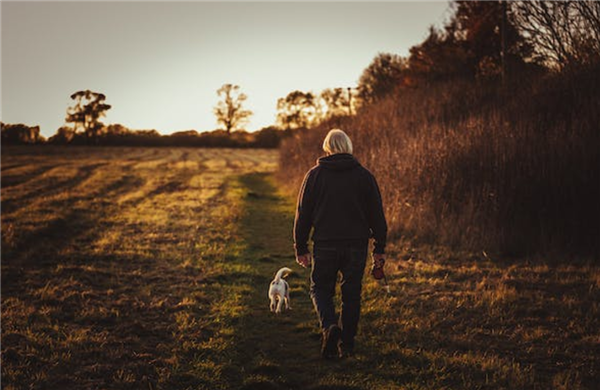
[478, 166]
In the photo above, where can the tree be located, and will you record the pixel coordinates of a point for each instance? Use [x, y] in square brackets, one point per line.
[268, 137]
[480, 40]
[63, 136]
[439, 56]
[562, 33]
[298, 110]
[85, 114]
[479, 24]
[489, 36]
[385, 73]
[338, 102]
[230, 111]
[117, 129]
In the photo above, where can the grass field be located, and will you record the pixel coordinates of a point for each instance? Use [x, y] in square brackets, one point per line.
[141, 268]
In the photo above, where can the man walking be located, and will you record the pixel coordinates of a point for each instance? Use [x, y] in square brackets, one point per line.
[340, 199]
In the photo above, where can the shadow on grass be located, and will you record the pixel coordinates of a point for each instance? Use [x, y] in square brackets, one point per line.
[461, 325]
[280, 351]
[76, 318]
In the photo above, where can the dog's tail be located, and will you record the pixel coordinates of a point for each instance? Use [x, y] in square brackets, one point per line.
[280, 273]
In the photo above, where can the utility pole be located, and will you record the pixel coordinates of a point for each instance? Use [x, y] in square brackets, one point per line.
[503, 42]
[350, 101]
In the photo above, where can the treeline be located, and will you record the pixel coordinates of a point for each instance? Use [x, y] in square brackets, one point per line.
[486, 136]
[115, 135]
[119, 135]
[83, 127]
[20, 134]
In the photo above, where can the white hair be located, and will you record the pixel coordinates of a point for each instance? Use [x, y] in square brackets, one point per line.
[337, 141]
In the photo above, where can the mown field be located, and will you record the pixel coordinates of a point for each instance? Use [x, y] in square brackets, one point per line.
[148, 268]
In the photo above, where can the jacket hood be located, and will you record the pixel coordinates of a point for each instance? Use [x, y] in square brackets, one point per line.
[338, 162]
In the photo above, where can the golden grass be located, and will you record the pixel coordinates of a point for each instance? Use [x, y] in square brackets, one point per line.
[106, 255]
[119, 283]
[472, 165]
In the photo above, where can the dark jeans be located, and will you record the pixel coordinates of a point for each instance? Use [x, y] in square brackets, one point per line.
[349, 259]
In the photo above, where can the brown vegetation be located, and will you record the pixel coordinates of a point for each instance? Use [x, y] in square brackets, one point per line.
[466, 164]
[477, 145]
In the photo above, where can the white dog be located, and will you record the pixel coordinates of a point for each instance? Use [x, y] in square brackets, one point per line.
[279, 291]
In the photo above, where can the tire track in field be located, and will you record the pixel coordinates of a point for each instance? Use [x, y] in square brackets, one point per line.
[46, 187]
[126, 302]
[44, 192]
[67, 217]
[177, 180]
[11, 179]
[84, 188]
[167, 281]
[6, 167]
[100, 188]
[103, 293]
[76, 224]
[140, 155]
[116, 191]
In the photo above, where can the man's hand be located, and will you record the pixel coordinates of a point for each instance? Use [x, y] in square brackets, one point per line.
[378, 260]
[304, 260]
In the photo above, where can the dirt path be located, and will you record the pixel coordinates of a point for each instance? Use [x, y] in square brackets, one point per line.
[275, 351]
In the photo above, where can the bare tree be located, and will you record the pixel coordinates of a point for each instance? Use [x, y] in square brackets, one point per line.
[229, 110]
[563, 33]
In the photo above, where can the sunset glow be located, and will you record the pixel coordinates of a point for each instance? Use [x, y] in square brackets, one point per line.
[160, 64]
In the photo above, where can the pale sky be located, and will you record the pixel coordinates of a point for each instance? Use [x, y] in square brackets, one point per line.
[160, 63]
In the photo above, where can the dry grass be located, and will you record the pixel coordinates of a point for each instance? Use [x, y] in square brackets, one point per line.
[473, 166]
[108, 261]
[516, 324]
[148, 269]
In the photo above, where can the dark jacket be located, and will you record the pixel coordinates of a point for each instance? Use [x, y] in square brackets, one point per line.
[341, 200]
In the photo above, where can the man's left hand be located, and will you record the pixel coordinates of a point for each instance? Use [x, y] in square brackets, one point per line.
[378, 260]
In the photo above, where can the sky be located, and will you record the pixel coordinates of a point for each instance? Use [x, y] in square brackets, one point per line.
[160, 63]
